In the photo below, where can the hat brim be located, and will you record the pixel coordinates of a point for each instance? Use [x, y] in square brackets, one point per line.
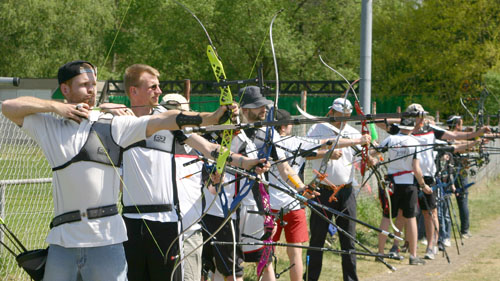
[258, 103]
[349, 111]
[406, 127]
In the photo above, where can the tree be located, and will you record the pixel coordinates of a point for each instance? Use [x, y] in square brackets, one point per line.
[38, 36]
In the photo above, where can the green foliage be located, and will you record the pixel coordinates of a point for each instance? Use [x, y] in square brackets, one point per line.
[422, 50]
[36, 36]
[430, 49]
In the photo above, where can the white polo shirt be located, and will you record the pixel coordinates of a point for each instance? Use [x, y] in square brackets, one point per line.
[401, 147]
[148, 175]
[280, 199]
[340, 171]
[189, 185]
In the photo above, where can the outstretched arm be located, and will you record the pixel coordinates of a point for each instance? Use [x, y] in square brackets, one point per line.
[172, 119]
[206, 148]
[449, 135]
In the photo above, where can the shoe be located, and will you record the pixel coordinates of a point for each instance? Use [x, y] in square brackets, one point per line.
[447, 242]
[466, 235]
[394, 252]
[405, 247]
[429, 255]
[440, 246]
[416, 260]
[423, 241]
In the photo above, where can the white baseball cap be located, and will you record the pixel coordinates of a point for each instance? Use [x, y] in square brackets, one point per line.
[341, 105]
[175, 101]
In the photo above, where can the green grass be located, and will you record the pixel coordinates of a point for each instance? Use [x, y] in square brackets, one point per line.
[483, 207]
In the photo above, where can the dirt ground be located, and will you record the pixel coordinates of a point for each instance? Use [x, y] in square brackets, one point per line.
[479, 259]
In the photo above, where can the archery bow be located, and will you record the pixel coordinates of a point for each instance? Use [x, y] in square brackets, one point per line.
[266, 151]
[226, 98]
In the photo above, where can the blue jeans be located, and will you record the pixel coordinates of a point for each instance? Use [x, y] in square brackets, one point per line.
[463, 209]
[444, 218]
[463, 204]
[92, 264]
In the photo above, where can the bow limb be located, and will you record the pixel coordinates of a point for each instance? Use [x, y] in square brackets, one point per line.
[266, 151]
[385, 188]
[324, 162]
[274, 58]
[467, 110]
[225, 99]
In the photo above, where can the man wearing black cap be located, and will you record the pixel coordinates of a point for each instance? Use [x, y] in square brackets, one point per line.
[253, 109]
[455, 124]
[83, 148]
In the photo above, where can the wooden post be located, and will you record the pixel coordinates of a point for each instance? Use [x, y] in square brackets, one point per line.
[398, 109]
[303, 100]
[187, 89]
[498, 117]
[437, 116]
[303, 105]
[374, 107]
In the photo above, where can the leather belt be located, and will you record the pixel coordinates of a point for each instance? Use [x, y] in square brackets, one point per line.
[329, 187]
[147, 209]
[91, 213]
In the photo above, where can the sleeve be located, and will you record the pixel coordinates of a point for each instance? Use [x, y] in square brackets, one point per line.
[127, 130]
[35, 125]
[417, 151]
[277, 153]
[384, 144]
[438, 132]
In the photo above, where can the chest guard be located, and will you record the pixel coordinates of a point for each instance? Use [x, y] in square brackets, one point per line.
[98, 146]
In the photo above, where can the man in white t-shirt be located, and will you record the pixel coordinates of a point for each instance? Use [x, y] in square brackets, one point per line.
[405, 173]
[253, 207]
[83, 148]
[340, 173]
[427, 134]
[150, 182]
[290, 213]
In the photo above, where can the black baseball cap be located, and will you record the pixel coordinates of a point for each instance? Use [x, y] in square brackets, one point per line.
[72, 69]
[252, 98]
[407, 123]
[453, 120]
[282, 114]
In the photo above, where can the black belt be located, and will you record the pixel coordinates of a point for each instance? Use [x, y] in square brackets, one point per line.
[91, 213]
[147, 209]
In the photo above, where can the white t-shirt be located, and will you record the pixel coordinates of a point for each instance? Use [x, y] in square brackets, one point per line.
[148, 176]
[252, 145]
[340, 171]
[401, 147]
[189, 187]
[83, 184]
[280, 199]
[428, 136]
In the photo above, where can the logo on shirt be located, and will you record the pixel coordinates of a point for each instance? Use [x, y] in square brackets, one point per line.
[159, 138]
[102, 151]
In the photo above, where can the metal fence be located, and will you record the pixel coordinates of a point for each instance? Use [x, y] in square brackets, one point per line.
[26, 191]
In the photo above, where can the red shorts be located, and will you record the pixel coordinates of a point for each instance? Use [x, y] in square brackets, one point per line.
[295, 229]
